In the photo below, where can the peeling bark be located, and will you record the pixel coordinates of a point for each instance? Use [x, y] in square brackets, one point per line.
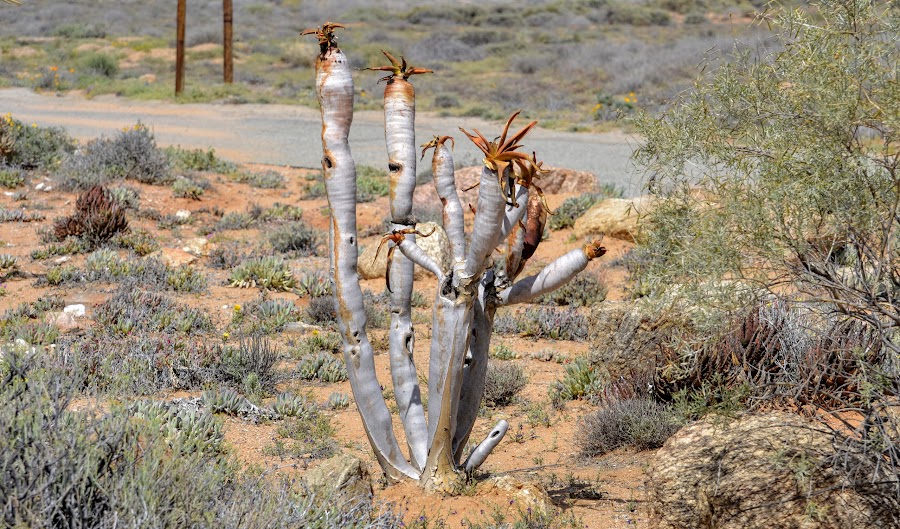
[553, 276]
[475, 364]
[466, 299]
[334, 88]
[400, 138]
[442, 171]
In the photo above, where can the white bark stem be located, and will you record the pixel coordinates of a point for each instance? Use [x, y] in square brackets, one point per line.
[334, 88]
[553, 276]
[442, 170]
[400, 139]
[485, 447]
[414, 253]
[475, 365]
[452, 322]
[486, 230]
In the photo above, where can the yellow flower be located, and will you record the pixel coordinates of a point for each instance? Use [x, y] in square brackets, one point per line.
[34, 125]
[315, 332]
[225, 335]
[237, 307]
[53, 68]
[71, 70]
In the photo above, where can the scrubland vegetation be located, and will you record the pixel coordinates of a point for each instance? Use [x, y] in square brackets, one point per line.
[765, 277]
[573, 64]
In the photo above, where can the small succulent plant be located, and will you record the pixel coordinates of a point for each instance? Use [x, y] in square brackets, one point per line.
[322, 366]
[224, 400]
[338, 401]
[267, 272]
[289, 405]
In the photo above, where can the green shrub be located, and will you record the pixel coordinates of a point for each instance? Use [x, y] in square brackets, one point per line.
[290, 405]
[150, 463]
[319, 342]
[100, 64]
[268, 272]
[503, 382]
[32, 147]
[141, 242]
[261, 180]
[265, 316]
[581, 380]
[255, 356]
[139, 362]
[131, 153]
[20, 215]
[309, 436]
[295, 238]
[130, 310]
[639, 423]
[502, 352]
[198, 160]
[543, 322]
[321, 366]
[186, 188]
[11, 177]
[126, 197]
[317, 284]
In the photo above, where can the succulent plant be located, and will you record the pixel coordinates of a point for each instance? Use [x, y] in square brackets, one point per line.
[224, 400]
[338, 401]
[289, 405]
[267, 272]
[322, 366]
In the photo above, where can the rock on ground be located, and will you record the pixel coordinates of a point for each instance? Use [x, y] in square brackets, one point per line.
[437, 246]
[761, 471]
[614, 217]
[341, 476]
[174, 257]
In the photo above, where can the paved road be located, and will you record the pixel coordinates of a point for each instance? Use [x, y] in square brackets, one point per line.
[289, 135]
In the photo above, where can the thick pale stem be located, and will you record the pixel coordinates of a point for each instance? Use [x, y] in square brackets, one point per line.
[414, 253]
[553, 276]
[515, 211]
[486, 230]
[450, 340]
[403, 369]
[334, 88]
[445, 182]
[485, 447]
[475, 365]
[400, 138]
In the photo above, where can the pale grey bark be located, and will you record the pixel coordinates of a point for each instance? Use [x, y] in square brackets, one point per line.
[400, 139]
[414, 253]
[489, 215]
[442, 170]
[475, 364]
[466, 298]
[334, 88]
[553, 276]
[485, 447]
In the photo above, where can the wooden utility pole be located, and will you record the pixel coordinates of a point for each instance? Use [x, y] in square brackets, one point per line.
[228, 12]
[179, 47]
